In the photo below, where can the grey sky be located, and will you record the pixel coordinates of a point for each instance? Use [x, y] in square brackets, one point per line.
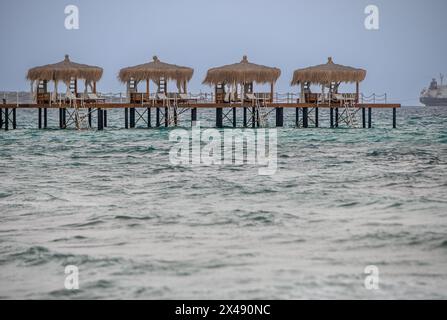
[401, 58]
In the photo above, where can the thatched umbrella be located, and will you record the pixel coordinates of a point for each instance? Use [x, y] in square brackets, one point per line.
[243, 73]
[65, 71]
[156, 70]
[327, 74]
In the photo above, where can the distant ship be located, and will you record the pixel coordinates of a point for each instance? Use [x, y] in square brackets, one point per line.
[435, 95]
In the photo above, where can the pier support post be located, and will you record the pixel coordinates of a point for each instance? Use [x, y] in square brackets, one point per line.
[89, 117]
[60, 118]
[6, 119]
[64, 118]
[258, 119]
[331, 116]
[369, 118]
[1, 118]
[14, 118]
[166, 117]
[297, 117]
[394, 118]
[149, 116]
[279, 117]
[104, 113]
[126, 118]
[157, 117]
[336, 117]
[305, 118]
[100, 119]
[253, 117]
[316, 118]
[39, 114]
[45, 118]
[132, 117]
[234, 117]
[245, 117]
[364, 118]
[219, 118]
[193, 115]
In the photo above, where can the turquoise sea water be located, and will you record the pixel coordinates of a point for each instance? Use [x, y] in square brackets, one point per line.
[138, 227]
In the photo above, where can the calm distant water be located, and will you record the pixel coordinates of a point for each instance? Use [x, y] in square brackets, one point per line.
[138, 227]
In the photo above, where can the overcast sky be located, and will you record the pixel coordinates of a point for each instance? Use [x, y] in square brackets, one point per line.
[401, 57]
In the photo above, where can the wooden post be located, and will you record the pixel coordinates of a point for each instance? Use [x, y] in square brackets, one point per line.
[369, 118]
[364, 118]
[272, 91]
[253, 117]
[316, 118]
[157, 117]
[234, 117]
[6, 119]
[132, 117]
[148, 92]
[60, 118]
[166, 117]
[193, 115]
[219, 118]
[126, 118]
[305, 118]
[14, 118]
[394, 118]
[279, 117]
[104, 114]
[297, 117]
[149, 120]
[331, 116]
[245, 117]
[89, 117]
[100, 119]
[45, 118]
[336, 117]
[39, 112]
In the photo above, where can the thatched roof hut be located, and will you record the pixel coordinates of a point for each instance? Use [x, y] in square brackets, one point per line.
[242, 72]
[328, 73]
[156, 70]
[65, 71]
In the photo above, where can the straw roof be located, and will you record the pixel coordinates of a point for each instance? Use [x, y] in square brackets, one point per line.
[64, 71]
[327, 73]
[242, 72]
[155, 70]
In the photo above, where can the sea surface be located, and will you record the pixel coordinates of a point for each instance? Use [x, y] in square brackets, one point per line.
[138, 227]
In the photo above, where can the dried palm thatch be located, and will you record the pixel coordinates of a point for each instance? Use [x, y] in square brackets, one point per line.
[64, 71]
[242, 72]
[155, 70]
[328, 73]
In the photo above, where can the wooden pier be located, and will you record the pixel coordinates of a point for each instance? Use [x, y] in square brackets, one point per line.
[166, 116]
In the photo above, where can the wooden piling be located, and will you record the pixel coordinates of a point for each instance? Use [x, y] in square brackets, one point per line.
[219, 117]
[369, 118]
[1, 118]
[234, 117]
[64, 118]
[100, 119]
[253, 117]
[305, 118]
[297, 117]
[39, 114]
[132, 117]
[89, 117]
[104, 114]
[14, 118]
[331, 116]
[60, 118]
[364, 118]
[157, 117]
[336, 117]
[166, 117]
[279, 117]
[149, 120]
[245, 117]
[394, 118]
[6, 119]
[126, 118]
[45, 118]
[193, 115]
[316, 118]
